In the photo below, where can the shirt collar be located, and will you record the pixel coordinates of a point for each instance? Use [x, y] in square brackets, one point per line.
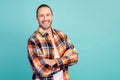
[44, 33]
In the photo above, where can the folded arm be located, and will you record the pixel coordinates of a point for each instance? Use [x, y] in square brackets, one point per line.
[70, 57]
[37, 61]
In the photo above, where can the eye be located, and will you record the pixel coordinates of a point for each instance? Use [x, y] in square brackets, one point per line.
[40, 15]
[48, 14]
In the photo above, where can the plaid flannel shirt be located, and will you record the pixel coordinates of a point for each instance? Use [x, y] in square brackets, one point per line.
[40, 47]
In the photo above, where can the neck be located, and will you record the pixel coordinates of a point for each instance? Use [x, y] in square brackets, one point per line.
[48, 30]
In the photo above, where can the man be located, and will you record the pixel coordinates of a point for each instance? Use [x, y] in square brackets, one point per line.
[50, 52]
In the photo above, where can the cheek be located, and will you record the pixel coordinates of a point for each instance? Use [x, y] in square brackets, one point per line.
[40, 20]
[50, 18]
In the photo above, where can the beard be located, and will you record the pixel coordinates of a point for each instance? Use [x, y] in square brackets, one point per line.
[45, 27]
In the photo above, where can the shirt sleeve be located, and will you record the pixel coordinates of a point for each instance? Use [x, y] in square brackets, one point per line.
[37, 62]
[68, 60]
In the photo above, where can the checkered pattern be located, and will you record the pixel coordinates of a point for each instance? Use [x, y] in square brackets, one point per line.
[40, 47]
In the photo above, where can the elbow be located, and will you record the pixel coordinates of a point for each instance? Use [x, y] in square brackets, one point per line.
[75, 59]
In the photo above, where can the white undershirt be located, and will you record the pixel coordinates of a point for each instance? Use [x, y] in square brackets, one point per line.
[58, 75]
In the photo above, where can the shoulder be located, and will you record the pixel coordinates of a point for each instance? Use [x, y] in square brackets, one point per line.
[60, 33]
[33, 37]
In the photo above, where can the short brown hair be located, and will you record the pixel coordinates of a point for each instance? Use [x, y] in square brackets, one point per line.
[43, 5]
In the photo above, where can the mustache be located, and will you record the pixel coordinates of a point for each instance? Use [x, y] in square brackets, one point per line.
[46, 21]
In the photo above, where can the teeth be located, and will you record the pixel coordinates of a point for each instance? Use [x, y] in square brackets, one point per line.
[45, 22]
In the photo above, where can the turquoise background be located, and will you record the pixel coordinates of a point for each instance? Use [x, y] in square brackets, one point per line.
[93, 26]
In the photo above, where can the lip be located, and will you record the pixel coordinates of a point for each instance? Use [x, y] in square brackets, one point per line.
[46, 22]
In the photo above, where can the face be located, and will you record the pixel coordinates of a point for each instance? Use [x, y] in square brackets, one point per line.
[44, 17]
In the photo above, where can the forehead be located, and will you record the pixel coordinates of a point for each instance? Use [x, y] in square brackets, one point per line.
[44, 10]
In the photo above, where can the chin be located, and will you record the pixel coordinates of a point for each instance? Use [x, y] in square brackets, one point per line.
[46, 27]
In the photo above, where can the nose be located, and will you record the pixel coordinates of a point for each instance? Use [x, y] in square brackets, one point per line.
[45, 17]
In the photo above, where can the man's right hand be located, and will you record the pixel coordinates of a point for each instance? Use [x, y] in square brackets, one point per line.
[50, 62]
